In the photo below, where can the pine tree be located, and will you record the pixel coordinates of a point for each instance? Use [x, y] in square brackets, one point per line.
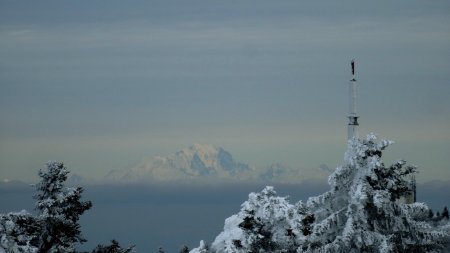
[445, 213]
[55, 228]
[19, 232]
[266, 223]
[203, 248]
[59, 209]
[114, 247]
[361, 212]
[184, 249]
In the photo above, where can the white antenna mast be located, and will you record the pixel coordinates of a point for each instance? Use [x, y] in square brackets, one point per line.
[352, 116]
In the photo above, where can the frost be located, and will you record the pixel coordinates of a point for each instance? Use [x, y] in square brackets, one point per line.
[266, 222]
[17, 231]
[360, 213]
[55, 228]
[203, 248]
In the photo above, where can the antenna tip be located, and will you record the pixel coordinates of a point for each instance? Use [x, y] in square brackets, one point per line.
[353, 66]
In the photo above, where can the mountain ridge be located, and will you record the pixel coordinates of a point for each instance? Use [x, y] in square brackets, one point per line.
[201, 162]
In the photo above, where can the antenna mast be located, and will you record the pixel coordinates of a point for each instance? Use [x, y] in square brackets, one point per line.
[352, 116]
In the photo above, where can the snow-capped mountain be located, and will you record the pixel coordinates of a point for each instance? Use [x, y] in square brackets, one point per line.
[195, 162]
[7, 184]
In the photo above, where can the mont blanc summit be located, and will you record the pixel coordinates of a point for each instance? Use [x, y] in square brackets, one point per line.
[202, 163]
[195, 162]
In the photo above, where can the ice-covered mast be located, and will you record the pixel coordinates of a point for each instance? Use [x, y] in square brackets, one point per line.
[352, 116]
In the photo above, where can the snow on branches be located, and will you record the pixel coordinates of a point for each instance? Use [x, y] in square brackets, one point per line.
[360, 213]
[266, 223]
[55, 228]
[19, 232]
[59, 209]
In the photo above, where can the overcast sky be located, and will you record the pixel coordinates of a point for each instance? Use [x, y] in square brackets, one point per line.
[102, 84]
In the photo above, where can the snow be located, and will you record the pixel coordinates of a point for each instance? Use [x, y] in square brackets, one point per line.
[360, 213]
[203, 248]
[195, 162]
[264, 217]
[13, 236]
[58, 210]
[201, 163]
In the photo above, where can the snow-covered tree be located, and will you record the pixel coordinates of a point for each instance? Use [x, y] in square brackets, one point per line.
[19, 232]
[59, 209]
[203, 248]
[362, 212]
[184, 249]
[55, 228]
[445, 213]
[430, 214]
[266, 223]
[114, 247]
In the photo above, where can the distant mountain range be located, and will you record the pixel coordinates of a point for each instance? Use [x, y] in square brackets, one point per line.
[199, 163]
[13, 184]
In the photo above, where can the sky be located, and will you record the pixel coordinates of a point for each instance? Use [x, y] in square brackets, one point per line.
[101, 84]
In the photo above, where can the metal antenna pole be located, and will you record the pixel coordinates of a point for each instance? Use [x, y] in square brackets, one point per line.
[352, 116]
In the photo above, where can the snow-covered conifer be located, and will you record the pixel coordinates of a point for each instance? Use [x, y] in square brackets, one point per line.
[114, 247]
[361, 212]
[55, 228]
[203, 248]
[184, 249]
[445, 213]
[266, 223]
[430, 214]
[19, 233]
[59, 209]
